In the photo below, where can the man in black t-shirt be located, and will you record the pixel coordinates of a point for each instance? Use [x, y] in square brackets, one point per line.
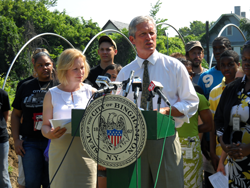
[107, 51]
[4, 139]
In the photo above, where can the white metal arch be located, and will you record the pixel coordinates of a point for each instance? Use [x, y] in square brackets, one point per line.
[112, 30]
[174, 29]
[53, 34]
[221, 31]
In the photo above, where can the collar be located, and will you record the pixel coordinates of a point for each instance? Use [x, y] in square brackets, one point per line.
[244, 79]
[152, 59]
[223, 83]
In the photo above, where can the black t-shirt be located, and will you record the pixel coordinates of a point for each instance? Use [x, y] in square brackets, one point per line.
[22, 81]
[29, 99]
[198, 89]
[94, 73]
[4, 106]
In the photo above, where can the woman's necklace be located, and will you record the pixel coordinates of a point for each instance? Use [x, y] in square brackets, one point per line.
[44, 88]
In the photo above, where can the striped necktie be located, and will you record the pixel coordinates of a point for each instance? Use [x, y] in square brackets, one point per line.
[145, 92]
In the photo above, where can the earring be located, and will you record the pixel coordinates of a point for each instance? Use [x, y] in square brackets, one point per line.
[35, 74]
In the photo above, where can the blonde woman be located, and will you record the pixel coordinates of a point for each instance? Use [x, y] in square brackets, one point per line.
[77, 170]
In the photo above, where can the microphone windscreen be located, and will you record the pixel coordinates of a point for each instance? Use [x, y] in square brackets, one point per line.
[108, 75]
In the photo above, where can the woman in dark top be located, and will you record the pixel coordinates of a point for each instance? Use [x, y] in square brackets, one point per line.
[4, 139]
[28, 104]
[232, 121]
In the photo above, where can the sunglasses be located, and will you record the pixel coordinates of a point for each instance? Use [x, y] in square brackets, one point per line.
[37, 50]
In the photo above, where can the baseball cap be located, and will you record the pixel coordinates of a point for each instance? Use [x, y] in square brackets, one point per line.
[190, 45]
[107, 39]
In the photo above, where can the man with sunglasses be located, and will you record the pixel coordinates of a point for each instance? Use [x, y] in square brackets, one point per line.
[195, 54]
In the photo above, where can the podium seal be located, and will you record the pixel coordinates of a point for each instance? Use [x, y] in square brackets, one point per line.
[116, 131]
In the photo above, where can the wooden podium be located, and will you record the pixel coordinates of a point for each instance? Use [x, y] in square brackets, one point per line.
[157, 124]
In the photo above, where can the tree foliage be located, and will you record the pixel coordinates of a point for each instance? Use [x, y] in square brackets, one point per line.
[195, 31]
[125, 54]
[22, 20]
[245, 26]
[153, 11]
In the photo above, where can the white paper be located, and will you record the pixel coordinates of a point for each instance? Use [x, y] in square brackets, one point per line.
[61, 123]
[226, 170]
[218, 180]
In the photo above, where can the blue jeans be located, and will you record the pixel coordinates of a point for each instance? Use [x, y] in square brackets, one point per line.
[34, 165]
[4, 174]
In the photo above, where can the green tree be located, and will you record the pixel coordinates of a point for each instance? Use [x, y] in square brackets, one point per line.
[22, 20]
[154, 10]
[245, 26]
[194, 32]
[170, 45]
[185, 31]
[197, 28]
[125, 53]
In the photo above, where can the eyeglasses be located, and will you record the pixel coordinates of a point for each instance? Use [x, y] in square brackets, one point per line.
[192, 74]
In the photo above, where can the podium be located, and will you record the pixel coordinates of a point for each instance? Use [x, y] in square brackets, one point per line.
[157, 124]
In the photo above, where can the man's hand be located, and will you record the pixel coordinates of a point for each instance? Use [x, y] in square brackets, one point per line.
[238, 151]
[19, 147]
[166, 111]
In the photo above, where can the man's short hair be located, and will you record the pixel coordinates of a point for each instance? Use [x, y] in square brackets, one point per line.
[231, 53]
[177, 55]
[137, 20]
[224, 40]
[107, 39]
[116, 67]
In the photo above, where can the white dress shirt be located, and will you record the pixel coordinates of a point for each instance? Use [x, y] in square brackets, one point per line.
[172, 74]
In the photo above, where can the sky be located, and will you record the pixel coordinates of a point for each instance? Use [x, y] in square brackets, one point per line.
[178, 12]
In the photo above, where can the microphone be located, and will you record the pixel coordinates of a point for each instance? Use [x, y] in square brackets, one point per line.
[136, 87]
[129, 81]
[113, 86]
[157, 88]
[103, 83]
[118, 87]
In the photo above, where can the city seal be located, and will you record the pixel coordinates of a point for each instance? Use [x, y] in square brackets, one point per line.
[113, 130]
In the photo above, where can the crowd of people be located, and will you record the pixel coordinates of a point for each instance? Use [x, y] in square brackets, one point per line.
[210, 108]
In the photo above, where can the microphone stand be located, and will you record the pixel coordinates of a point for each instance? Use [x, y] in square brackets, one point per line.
[150, 96]
[136, 94]
[158, 103]
[125, 82]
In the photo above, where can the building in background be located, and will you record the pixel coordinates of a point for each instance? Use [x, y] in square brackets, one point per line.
[230, 32]
[116, 25]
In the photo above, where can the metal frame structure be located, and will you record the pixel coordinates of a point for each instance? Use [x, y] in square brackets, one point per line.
[221, 31]
[107, 31]
[53, 34]
[174, 29]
